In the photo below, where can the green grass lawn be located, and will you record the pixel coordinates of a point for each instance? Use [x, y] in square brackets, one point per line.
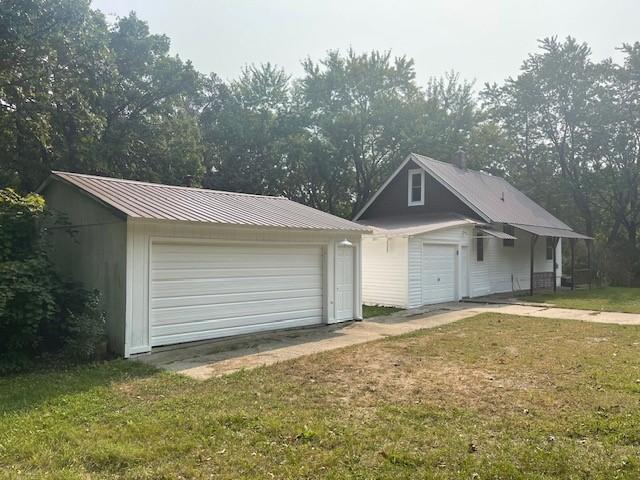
[369, 311]
[486, 398]
[611, 299]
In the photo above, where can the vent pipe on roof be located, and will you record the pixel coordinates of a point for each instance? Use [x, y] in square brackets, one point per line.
[187, 181]
[459, 159]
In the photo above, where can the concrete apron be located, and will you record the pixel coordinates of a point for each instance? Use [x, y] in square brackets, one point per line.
[202, 360]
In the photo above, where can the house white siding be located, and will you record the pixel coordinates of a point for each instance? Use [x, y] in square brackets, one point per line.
[142, 235]
[507, 269]
[384, 271]
[397, 276]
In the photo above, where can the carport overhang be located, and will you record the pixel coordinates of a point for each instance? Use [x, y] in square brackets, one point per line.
[556, 234]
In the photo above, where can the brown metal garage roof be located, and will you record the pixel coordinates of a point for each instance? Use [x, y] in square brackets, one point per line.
[166, 202]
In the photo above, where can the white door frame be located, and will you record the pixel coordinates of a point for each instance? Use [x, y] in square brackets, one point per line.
[356, 294]
[353, 282]
[465, 282]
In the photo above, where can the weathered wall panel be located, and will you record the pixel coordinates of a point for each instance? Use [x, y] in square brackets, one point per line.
[95, 255]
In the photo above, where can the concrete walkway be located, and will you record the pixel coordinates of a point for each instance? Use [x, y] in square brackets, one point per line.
[204, 360]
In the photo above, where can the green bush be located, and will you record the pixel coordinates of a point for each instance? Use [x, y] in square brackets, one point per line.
[38, 312]
[82, 323]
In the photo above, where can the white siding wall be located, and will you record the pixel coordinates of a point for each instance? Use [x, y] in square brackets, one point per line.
[96, 254]
[384, 271]
[507, 269]
[141, 233]
[457, 236]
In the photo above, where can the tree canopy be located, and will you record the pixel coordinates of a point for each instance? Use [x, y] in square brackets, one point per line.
[78, 93]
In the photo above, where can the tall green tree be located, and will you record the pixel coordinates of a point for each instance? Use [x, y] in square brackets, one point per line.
[547, 112]
[363, 109]
[77, 94]
[54, 65]
[150, 109]
[247, 127]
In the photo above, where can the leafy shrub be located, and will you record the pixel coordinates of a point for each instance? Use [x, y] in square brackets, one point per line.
[82, 324]
[26, 297]
[38, 312]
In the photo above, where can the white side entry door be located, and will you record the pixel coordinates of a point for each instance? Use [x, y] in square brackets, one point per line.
[344, 283]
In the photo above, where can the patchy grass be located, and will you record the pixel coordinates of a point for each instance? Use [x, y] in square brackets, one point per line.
[369, 311]
[609, 299]
[489, 397]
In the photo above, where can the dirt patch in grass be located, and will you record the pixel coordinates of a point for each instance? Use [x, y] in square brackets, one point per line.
[370, 311]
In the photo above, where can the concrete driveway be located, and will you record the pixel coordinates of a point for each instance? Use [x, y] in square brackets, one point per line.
[203, 360]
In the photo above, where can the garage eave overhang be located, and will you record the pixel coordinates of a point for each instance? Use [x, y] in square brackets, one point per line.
[235, 226]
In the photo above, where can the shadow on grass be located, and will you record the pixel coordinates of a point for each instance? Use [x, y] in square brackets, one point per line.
[30, 390]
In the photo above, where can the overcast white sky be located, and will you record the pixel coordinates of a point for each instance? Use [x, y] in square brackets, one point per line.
[485, 40]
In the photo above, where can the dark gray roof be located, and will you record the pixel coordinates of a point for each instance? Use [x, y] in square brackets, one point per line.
[166, 202]
[493, 198]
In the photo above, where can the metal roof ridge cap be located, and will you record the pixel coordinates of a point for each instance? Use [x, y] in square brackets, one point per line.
[61, 173]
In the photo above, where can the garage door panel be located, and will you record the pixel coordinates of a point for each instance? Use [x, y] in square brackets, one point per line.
[231, 272]
[201, 291]
[438, 273]
[164, 335]
[200, 256]
[232, 261]
[190, 287]
[197, 313]
[184, 301]
[265, 319]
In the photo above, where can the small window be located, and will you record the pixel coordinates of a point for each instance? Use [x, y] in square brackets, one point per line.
[416, 187]
[480, 249]
[550, 248]
[509, 230]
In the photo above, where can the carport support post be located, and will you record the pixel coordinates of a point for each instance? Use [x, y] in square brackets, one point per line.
[555, 264]
[534, 238]
[572, 241]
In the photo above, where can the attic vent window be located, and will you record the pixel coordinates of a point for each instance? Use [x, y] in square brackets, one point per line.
[416, 187]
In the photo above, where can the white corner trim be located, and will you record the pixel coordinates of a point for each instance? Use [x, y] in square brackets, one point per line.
[410, 174]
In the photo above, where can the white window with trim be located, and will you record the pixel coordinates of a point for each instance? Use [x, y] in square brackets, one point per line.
[416, 187]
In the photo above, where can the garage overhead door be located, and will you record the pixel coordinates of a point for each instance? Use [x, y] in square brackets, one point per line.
[438, 273]
[202, 291]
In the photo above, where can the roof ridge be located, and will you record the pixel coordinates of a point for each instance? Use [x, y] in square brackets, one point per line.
[481, 172]
[164, 185]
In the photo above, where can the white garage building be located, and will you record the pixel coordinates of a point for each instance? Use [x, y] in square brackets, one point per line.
[178, 264]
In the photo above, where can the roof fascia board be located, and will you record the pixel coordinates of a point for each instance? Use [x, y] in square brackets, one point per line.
[384, 185]
[232, 226]
[390, 234]
[53, 177]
